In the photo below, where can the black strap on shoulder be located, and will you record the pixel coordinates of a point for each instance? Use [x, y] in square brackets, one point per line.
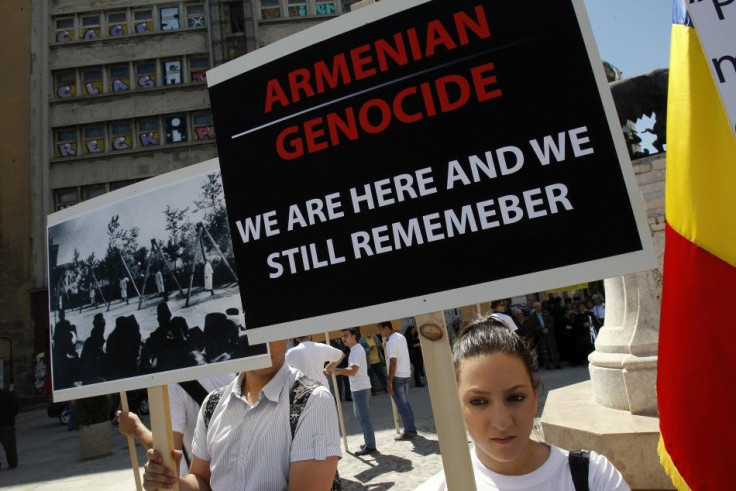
[195, 390]
[298, 397]
[210, 404]
[579, 464]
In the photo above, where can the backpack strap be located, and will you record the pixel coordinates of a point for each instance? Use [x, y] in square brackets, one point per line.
[210, 403]
[298, 397]
[197, 393]
[195, 390]
[579, 465]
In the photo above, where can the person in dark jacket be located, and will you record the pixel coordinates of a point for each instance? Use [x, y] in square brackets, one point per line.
[8, 412]
[415, 354]
[93, 354]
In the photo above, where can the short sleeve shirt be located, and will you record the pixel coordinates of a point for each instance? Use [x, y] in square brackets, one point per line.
[250, 447]
[396, 348]
[360, 381]
[553, 474]
[185, 410]
[310, 358]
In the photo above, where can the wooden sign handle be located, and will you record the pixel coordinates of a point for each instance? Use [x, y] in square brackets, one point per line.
[163, 437]
[446, 407]
[131, 446]
[339, 404]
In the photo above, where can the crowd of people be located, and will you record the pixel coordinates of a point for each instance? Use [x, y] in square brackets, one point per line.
[557, 330]
[287, 408]
[498, 411]
[172, 345]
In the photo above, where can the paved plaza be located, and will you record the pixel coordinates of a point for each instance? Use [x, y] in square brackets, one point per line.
[49, 454]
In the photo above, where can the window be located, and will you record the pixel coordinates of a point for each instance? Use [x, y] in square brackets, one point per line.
[297, 8]
[92, 80]
[169, 18]
[195, 15]
[64, 29]
[143, 21]
[65, 197]
[148, 132]
[65, 84]
[93, 191]
[65, 142]
[121, 135]
[176, 128]
[325, 7]
[119, 78]
[237, 17]
[198, 66]
[121, 184]
[145, 74]
[93, 139]
[117, 23]
[90, 26]
[172, 71]
[270, 9]
[203, 127]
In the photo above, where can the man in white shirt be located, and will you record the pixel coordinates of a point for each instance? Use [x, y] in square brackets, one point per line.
[399, 373]
[310, 358]
[360, 387]
[599, 309]
[248, 443]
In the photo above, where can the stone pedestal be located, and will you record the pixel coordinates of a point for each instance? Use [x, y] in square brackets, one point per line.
[573, 420]
[615, 413]
[95, 440]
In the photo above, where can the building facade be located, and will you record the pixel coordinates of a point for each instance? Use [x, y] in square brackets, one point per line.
[105, 93]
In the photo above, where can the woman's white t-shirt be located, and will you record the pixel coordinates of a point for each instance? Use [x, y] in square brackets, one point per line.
[553, 474]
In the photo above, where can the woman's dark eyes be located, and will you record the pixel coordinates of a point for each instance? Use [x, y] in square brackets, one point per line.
[516, 398]
[478, 402]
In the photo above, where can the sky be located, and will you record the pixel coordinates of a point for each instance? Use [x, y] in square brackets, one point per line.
[632, 35]
[144, 211]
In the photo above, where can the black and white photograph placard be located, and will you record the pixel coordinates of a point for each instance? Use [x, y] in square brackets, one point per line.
[143, 289]
[414, 156]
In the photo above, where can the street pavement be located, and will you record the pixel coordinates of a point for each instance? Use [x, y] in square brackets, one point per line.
[49, 460]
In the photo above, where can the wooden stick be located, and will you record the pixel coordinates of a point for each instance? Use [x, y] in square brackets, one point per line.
[131, 446]
[222, 256]
[394, 410]
[446, 407]
[163, 436]
[339, 404]
[132, 280]
[397, 420]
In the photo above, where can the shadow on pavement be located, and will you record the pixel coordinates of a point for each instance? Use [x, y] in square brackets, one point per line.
[380, 464]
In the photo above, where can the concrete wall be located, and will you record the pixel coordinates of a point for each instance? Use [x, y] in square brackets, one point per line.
[650, 175]
[15, 213]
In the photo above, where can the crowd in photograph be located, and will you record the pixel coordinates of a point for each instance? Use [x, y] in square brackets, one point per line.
[171, 345]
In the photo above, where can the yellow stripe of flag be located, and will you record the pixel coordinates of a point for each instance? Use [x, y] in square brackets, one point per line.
[700, 195]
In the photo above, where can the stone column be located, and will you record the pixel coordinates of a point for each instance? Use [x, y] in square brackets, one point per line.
[623, 367]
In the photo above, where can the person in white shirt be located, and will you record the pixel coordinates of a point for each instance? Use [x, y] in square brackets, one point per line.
[184, 412]
[247, 442]
[310, 358]
[399, 374]
[360, 387]
[498, 396]
[599, 309]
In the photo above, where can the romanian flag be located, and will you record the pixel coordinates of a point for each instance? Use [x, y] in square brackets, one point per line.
[696, 374]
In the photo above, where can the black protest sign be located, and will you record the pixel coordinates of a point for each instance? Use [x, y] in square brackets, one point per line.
[407, 158]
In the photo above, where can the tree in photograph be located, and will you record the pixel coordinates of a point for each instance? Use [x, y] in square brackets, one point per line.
[178, 246]
[211, 203]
